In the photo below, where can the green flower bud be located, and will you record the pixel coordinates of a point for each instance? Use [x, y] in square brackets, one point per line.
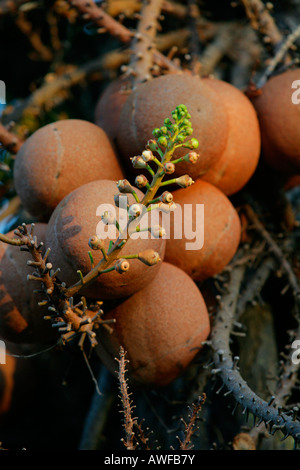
[162, 141]
[180, 138]
[182, 107]
[152, 145]
[156, 132]
[164, 130]
[194, 143]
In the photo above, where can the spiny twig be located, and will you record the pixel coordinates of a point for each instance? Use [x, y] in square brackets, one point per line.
[143, 46]
[190, 426]
[279, 56]
[90, 11]
[127, 407]
[226, 367]
[262, 21]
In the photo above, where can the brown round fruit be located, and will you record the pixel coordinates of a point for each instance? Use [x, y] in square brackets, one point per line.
[21, 319]
[110, 105]
[279, 120]
[219, 231]
[152, 102]
[75, 221]
[240, 158]
[161, 328]
[59, 158]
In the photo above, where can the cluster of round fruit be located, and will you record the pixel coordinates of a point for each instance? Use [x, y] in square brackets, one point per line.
[67, 169]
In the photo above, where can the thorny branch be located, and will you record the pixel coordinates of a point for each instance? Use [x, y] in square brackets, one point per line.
[226, 367]
[190, 427]
[91, 11]
[127, 410]
[143, 44]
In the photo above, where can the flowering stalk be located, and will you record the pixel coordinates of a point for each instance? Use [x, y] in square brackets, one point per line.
[171, 136]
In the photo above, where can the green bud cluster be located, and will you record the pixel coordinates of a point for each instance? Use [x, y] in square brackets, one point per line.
[176, 132]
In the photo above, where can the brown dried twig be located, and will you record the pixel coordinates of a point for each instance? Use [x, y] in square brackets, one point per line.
[90, 11]
[190, 426]
[226, 367]
[279, 56]
[143, 44]
[262, 21]
[127, 408]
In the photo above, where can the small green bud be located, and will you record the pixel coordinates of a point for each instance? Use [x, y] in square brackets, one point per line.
[156, 132]
[194, 143]
[152, 145]
[168, 122]
[174, 115]
[180, 138]
[183, 108]
[189, 131]
[186, 123]
[162, 141]
[164, 130]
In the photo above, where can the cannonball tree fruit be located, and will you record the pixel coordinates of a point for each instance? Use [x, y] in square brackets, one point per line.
[204, 231]
[240, 158]
[150, 103]
[76, 219]
[58, 158]
[21, 319]
[110, 105]
[161, 328]
[278, 110]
